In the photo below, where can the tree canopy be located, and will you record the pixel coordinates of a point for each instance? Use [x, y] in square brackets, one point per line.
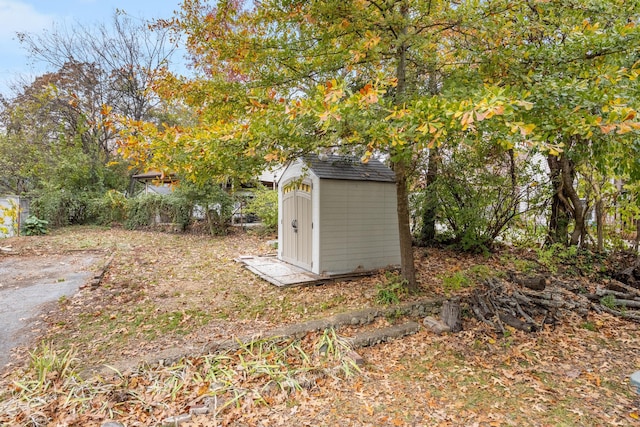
[57, 129]
[278, 78]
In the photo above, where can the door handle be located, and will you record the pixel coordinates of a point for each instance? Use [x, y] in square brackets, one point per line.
[294, 224]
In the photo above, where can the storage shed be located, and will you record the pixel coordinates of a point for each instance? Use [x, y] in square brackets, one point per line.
[338, 215]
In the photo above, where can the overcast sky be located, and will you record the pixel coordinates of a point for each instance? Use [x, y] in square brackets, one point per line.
[33, 16]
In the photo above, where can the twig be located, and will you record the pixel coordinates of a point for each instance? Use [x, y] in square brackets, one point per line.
[524, 314]
[627, 316]
[626, 287]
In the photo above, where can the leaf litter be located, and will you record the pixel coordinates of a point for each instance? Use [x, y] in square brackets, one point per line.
[165, 290]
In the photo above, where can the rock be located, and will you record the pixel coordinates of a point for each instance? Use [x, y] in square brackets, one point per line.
[357, 359]
[111, 424]
[176, 421]
[215, 403]
[376, 336]
[635, 381]
[435, 325]
[199, 410]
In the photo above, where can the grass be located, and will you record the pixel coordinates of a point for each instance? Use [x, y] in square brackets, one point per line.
[334, 301]
[522, 265]
[473, 383]
[168, 291]
[146, 320]
[456, 281]
[391, 290]
[156, 277]
[258, 372]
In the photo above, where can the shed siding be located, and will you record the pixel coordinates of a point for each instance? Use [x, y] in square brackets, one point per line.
[358, 224]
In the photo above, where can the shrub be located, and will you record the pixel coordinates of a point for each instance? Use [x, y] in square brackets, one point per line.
[476, 196]
[141, 211]
[178, 208]
[215, 203]
[149, 209]
[60, 207]
[34, 226]
[265, 206]
[110, 208]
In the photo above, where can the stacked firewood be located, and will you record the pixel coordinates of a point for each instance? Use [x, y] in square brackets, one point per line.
[529, 303]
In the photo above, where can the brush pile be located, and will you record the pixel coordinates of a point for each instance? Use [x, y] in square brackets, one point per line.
[527, 304]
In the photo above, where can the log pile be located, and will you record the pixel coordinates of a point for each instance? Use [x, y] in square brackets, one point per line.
[527, 304]
[630, 275]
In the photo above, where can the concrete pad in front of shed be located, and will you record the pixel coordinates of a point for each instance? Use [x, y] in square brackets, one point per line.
[278, 272]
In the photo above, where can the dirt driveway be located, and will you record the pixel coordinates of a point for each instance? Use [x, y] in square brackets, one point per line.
[28, 283]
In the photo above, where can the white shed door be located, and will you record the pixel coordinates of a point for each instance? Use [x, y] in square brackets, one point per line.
[296, 224]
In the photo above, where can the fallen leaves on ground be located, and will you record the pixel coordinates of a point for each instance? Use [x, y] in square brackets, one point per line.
[184, 291]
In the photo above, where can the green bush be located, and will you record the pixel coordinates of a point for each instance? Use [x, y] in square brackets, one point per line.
[34, 226]
[141, 211]
[392, 290]
[476, 195]
[178, 208]
[111, 207]
[145, 211]
[60, 207]
[265, 206]
[214, 202]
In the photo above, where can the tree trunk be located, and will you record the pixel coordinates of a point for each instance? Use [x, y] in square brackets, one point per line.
[573, 202]
[400, 161]
[451, 314]
[600, 224]
[566, 204]
[406, 247]
[637, 240]
[512, 171]
[427, 234]
[428, 231]
[559, 219]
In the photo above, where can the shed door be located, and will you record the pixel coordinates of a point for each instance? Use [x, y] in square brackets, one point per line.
[296, 224]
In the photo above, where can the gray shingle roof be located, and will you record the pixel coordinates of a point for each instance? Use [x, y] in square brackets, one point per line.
[349, 168]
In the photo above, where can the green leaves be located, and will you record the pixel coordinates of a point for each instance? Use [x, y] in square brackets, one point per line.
[281, 78]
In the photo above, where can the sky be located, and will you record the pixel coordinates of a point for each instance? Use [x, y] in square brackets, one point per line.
[34, 16]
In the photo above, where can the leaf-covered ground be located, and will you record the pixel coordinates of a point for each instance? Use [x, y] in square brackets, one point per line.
[562, 377]
[167, 290]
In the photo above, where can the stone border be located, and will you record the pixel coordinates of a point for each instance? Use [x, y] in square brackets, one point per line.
[362, 317]
[420, 308]
[97, 278]
[352, 318]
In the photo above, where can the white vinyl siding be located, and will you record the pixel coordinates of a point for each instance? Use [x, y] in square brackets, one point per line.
[359, 226]
[354, 224]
